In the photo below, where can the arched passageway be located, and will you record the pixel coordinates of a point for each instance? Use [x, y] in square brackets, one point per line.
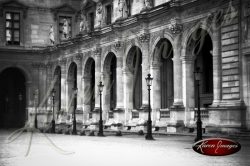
[12, 98]
[89, 86]
[134, 64]
[72, 85]
[201, 45]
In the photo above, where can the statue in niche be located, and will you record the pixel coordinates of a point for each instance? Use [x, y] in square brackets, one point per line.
[123, 9]
[83, 23]
[147, 4]
[65, 28]
[52, 35]
[99, 14]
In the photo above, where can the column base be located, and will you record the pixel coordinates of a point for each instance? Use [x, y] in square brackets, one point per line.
[228, 117]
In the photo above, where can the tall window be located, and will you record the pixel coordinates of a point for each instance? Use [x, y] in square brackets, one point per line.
[12, 28]
[65, 27]
[91, 21]
[108, 14]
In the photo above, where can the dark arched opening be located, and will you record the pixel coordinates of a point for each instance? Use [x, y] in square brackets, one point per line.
[12, 98]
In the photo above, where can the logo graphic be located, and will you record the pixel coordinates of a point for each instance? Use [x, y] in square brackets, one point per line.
[216, 147]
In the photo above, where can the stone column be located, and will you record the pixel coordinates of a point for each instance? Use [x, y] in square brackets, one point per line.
[49, 86]
[86, 80]
[42, 87]
[98, 76]
[63, 85]
[119, 84]
[29, 101]
[144, 39]
[188, 86]
[177, 65]
[106, 95]
[216, 66]
[156, 90]
[79, 81]
[128, 95]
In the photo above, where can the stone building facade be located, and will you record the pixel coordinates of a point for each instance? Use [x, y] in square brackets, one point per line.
[69, 44]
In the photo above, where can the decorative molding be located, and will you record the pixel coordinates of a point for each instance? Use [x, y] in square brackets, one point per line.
[63, 62]
[175, 26]
[118, 45]
[78, 57]
[144, 37]
[97, 51]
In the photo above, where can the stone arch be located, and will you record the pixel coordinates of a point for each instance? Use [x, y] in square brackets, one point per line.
[166, 36]
[187, 34]
[127, 51]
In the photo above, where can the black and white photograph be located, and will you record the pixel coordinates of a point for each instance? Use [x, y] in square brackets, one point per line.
[125, 82]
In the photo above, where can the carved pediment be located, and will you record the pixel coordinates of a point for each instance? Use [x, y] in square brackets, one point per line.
[65, 8]
[14, 5]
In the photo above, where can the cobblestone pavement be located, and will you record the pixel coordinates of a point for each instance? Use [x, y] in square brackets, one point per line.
[128, 150]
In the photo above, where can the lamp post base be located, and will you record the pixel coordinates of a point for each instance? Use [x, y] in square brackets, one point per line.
[149, 137]
[199, 131]
[53, 126]
[74, 132]
[149, 131]
[100, 133]
[36, 122]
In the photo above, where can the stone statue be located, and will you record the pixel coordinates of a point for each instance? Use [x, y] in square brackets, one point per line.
[123, 9]
[147, 5]
[83, 23]
[65, 28]
[52, 35]
[99, 11]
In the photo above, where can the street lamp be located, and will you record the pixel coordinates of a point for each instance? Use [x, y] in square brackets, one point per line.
[149, 123]
[197, 75]
[35, 106]
[74, 132]
[100, 86]
[53, 92]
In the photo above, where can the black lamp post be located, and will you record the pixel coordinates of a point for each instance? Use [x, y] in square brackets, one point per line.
[100, 86]
[149, 123]
[74, 132]
[53, 128]
[197, 75]
[35, 105]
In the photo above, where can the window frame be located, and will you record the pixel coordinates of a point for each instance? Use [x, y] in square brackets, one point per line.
[21, 29]
[12, 28]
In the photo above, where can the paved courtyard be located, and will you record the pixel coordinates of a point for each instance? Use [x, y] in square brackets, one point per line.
[128, 150]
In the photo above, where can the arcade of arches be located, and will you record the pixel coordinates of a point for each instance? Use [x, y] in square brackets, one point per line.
[171, 47]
